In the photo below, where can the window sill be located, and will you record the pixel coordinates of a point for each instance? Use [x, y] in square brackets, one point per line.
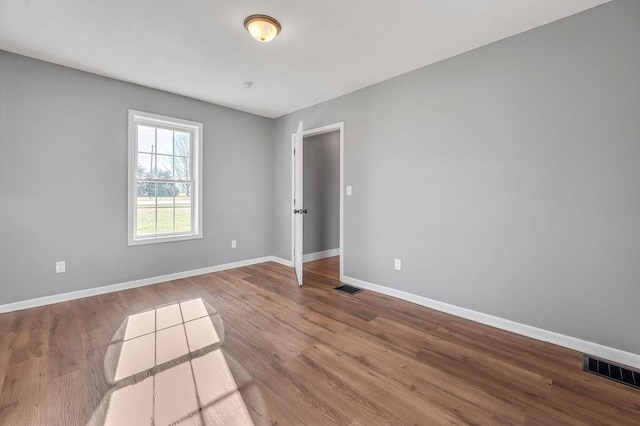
[164, 239]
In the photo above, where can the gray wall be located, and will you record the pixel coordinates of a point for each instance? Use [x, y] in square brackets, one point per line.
[63, 182]
[322, 192]
[506, 178]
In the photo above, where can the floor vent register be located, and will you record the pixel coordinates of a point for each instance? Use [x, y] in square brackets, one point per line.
[349, 289]
[611, 370]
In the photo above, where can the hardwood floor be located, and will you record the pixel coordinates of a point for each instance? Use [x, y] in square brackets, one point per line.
[328, 267]
[312, 356]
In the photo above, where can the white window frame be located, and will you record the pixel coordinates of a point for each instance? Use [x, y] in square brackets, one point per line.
[147, 118]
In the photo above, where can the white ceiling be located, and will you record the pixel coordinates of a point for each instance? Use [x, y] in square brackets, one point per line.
[327, 48]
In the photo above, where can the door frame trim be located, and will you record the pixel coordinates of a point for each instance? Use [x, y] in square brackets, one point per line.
[313, 132]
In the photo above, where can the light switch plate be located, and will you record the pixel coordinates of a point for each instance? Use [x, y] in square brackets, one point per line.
[349, 190]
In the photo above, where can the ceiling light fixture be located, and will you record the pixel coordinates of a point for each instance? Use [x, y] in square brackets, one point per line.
[262, 27]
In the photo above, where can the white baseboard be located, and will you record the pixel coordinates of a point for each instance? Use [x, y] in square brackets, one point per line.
[79, 294]
[627, 358]
[320, 255]
[281, 261]
[596, 349]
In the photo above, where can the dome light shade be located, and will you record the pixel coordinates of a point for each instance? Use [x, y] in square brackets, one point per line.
[262, 27]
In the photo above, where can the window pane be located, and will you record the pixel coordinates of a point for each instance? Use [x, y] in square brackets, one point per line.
[146, 221]
[146, 139]
[146, 193]
[183, 213]
[165, 220]
[164, 167]
[145, 166]
[182, 168]
[165, 141]
[166, 191]
[182, 142]
[183, 190]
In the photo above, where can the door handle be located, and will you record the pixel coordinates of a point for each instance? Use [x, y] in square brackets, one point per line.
[300, 211]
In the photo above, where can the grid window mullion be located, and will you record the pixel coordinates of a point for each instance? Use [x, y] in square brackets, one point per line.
[174, 183]
[156, 211]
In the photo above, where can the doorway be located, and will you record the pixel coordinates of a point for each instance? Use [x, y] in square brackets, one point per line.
[322, 176]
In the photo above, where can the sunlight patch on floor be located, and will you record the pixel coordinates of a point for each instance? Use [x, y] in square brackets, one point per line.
[170, 369]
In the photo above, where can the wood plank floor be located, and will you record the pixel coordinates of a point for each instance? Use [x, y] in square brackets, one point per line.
[313, 356]
[328, 267]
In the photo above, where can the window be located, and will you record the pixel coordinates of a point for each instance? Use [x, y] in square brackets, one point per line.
[165, 178]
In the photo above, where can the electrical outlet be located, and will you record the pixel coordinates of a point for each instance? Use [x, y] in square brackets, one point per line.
[397, 265]
[234, 244]
[60, 267]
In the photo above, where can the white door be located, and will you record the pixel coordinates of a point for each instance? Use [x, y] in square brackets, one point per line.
[298, 211]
